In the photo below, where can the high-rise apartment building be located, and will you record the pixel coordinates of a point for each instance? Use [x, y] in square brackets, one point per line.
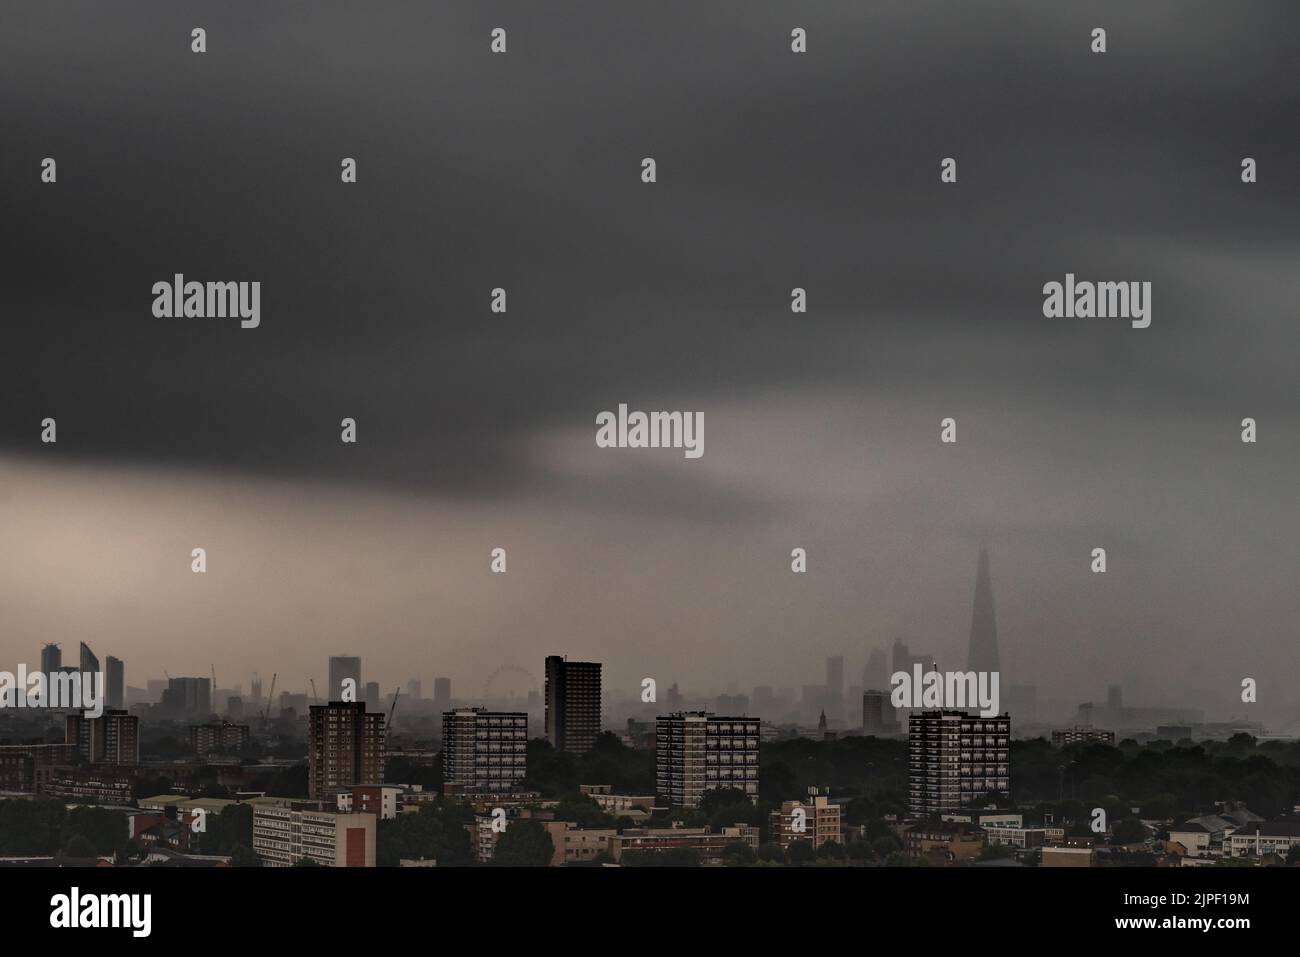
[114, 683]
[572, 704]
[112, 738]
[345, 746]
[89, 663]
[188, 697]
[223, 737]
[442, 694]
[344, 667]
[1061, 738]
[484, 750]
[696, 752]
[51, 659]
[955, 759]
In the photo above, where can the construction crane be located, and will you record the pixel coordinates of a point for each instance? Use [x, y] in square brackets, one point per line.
[394, 707]
[314, 698]
[269, 695]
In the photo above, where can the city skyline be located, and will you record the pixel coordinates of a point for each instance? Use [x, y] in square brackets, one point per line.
[983, 650]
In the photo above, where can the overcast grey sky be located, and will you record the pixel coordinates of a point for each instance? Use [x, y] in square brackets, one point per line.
[821, 430]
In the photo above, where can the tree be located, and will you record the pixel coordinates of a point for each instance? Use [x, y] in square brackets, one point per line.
[232, 827]
[524, 843]
[716, 799]
[800, 852]
[680, 857]
[437, 831]
[899, 859]
[78, 845]
[241, 856]
[832, 851]
[738, 854]
[1129, 831]
[583, 811]
[859, 851]
[105, 831]
[995, 852]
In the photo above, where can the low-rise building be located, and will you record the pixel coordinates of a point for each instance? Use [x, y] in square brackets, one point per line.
[816, 820]
[943, 844]
[285, 834]
[578, 845]
[1023, 838]
[708, 844]
[1259, 839]
[618, 804]
[1067, 857]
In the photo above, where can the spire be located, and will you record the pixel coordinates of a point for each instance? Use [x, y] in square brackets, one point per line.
[983, 626]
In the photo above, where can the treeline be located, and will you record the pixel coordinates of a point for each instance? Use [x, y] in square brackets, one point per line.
[1163, 779]
[45, 828]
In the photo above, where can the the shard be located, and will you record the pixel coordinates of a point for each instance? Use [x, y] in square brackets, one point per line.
[984, 625]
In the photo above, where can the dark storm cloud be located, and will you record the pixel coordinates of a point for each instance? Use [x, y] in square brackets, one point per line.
[522, 171]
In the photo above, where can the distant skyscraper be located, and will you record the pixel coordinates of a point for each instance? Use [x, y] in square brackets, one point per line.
[345, 746]
[984, 626]
[155, 689]
[88, 660]
[835, 682]
[442, 694]
[114, 682]
[413, 689]
[904, 660]
[1114, 698]
[572, 704]
[189, 697]
[372, 695]
[878, 713]
[876, 673]
[51, 659]
[341, 667]
[674, 698]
